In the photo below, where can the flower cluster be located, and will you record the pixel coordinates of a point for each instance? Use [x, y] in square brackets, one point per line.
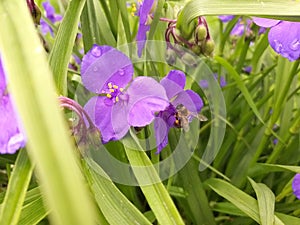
[123, 102]
[284, 36]
[11, 138]
[194, 36]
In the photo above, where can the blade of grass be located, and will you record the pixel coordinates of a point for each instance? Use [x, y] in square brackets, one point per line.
[283, 8]
[49, 146]
[240, 199]
[266, 202]
[116, 208]
[63, 45]
[156, 194]
[16, 190]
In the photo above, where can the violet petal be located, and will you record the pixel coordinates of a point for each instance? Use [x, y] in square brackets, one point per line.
[174, 82]
[146, 96]
[104, 64]
[144, 10]
[263, 22]
[284, 38]
[296, 185]
[226, 18]
[108, 118]
[161, 129]
[11, 138]
[190, 99]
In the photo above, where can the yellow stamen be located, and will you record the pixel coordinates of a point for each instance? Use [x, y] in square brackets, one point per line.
[115, 86]
[109, 85]
[121, 89]
[117, 99]
[108, 95]
[112, 90]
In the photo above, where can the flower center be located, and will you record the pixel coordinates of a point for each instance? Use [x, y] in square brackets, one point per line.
[115, 93]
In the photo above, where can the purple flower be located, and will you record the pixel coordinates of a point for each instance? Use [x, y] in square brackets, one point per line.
[144, 24]
[226, 18]
[52, 16]
[296, 185]
[204, 83]
[284, 36]
[179, 98]
[11, 138]
[242, 27]
[107, 72]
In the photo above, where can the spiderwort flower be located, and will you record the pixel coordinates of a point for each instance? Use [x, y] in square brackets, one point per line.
[241, 27]
[144, 23]
[52, 16]
[11, 138]
[284, 36]
[226, 18]
[107, 72]
[296, 185]
[174, 84]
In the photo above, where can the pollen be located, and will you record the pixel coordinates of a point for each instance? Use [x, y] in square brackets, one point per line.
[121, 89]
[109, 85]
[115, 86]
[133, 9]
[108, 95]
[117, 99]
[111, 90]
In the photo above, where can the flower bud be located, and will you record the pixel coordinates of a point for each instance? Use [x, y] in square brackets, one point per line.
[196, 49]
[187, 30]
[208, 47]
[201, 32]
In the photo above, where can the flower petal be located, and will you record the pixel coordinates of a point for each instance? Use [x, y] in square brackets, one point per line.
[107, 117]
[174, 82]
[262, 22]
[190, 99]
[296, 185]
[11, 138]
[141, 38]
[284, 38]
[146, 96]
[161, 129]
[104, 64]
[144, 11]
[226, 18]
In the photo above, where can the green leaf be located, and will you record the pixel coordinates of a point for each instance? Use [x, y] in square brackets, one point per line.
[90, 29]
[62, 49]
[116, 208]
[283, 8]
[240, 199]
[16, 190]
[287, 219]
[155, 192]
[33, 212]
[263, 168]
[240, 83]
[266, 202]
[49, 145]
